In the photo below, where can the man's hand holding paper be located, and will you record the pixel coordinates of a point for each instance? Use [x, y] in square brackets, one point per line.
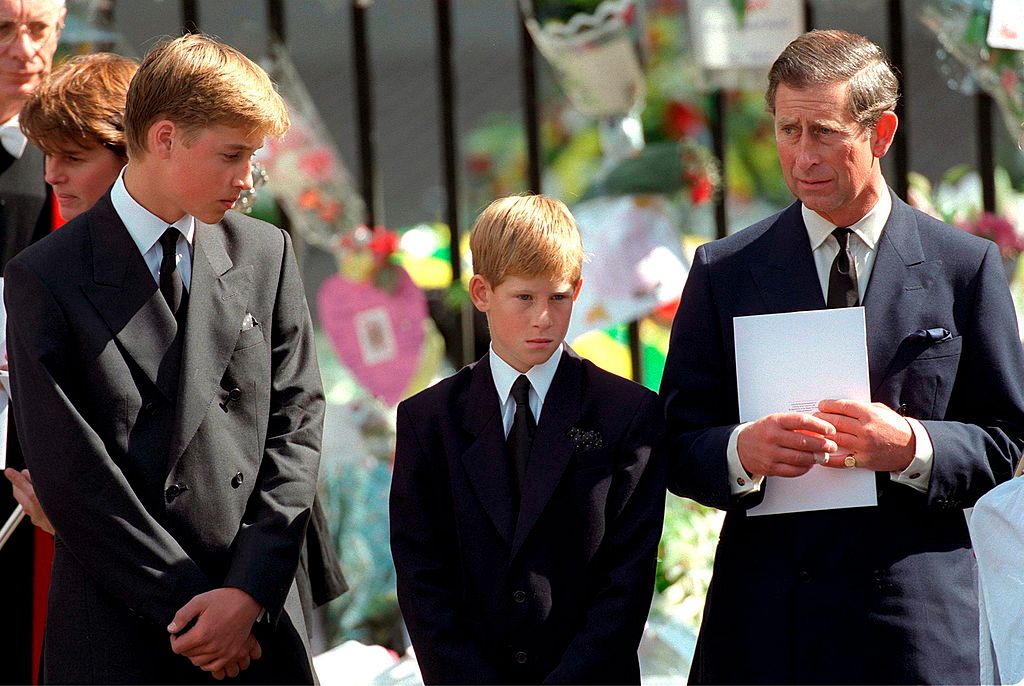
[879, 439]
[784, 443]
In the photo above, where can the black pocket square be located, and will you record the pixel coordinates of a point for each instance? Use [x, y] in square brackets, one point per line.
[585, 439]
[934, 335]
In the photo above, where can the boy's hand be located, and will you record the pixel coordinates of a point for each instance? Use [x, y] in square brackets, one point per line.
[25, 494]
[221, 640]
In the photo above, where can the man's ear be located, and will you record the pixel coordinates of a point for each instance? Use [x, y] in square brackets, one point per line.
[162, 137]
[883, 133]
[576, 292]
[480, 293]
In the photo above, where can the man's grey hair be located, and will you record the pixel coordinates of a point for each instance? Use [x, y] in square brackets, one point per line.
[825, 57]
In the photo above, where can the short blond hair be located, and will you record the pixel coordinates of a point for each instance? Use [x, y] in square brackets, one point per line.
[198, 82]
[80, 105]
[528, 236]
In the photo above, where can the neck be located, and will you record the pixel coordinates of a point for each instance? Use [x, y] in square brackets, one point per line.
[8, 110]
[852, 213]
[143, 184]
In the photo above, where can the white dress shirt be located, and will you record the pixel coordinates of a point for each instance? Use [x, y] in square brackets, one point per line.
[146, 228]
[540, 376]
[12, 138]
[864, 246]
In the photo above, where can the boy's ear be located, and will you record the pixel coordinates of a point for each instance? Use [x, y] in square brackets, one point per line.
[162, 137]
[480, 292]
[576, 293]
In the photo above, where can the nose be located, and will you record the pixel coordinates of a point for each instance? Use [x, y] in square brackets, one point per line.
[22, 47]
[543, 320]
[244, 182]
[54, 173]
[807, 154]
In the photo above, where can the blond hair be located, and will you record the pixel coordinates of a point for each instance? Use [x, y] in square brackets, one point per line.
[80, 105]
[824, 57]
[198, 82]
[528, 236]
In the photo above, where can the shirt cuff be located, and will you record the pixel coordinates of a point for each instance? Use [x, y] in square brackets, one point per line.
[740, 482]
[919, 472]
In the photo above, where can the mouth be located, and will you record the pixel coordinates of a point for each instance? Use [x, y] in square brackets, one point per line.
[538, 342]
[228, 204]
[813, 184]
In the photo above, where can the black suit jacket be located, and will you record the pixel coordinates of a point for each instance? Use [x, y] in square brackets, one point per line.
[562, 594]
[885, 594]
[162, 485]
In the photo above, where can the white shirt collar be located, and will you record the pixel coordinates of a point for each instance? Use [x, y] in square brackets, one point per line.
[12, 138]
[145, 227]
[540, 375]
[868, 229]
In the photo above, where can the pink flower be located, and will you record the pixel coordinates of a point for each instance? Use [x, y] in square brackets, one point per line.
[318, 164]
[997, 229]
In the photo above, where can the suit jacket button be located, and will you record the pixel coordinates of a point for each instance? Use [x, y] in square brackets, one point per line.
[237, 479]
[149, 408]
[519, 596]
[235, 393]
[804, 576]
[174, 490]
[902, 410]
[521, 657]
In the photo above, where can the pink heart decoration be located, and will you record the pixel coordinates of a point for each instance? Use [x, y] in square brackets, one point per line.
[377, 335]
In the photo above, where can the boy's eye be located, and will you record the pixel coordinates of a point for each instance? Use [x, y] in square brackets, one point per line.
[231, 155]
[524, 297]
[558, 296]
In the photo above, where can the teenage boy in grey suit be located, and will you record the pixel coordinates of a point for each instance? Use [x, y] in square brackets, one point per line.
[163, 364]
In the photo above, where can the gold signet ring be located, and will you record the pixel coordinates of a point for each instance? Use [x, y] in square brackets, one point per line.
[850, 461]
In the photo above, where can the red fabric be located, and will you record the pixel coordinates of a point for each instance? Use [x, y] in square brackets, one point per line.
[56, 221]
[42, 562]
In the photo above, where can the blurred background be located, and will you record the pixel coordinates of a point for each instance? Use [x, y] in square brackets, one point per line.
[645, 116]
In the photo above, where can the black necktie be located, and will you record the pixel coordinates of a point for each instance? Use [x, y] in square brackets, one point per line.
[171, 285]
[842, 278]
[520, 437]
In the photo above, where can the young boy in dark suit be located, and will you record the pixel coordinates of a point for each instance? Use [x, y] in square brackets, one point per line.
[526, 504]
[167, 392]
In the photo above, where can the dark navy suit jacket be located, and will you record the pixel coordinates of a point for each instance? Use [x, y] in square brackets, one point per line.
[885, 594]
[560, 595]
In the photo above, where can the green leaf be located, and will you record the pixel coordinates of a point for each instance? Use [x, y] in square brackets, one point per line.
[740, 8]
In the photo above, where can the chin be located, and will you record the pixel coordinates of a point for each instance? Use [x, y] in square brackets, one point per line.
[211, 217]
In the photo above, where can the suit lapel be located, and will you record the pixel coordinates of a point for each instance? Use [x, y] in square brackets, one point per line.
[217, 302]
[899, 280]
[552, 447]
[486, 460]
[783, 268]
[128, 298]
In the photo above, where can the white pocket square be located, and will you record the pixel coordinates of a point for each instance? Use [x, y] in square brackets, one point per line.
[249, 322]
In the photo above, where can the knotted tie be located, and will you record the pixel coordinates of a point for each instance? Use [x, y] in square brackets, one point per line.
[842, 278]
[171, 285]
[520, 437]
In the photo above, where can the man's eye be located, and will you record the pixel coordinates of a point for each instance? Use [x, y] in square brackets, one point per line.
[38, 29]
[231, 156]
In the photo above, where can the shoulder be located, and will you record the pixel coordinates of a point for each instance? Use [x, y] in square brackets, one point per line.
[436, 401]
[243, 234]
[58, 255]
[752, 238]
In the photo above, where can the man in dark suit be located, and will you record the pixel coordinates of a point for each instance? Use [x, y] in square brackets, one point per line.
[526, 503]
[882, 594]
[167, 388]
[29, 32]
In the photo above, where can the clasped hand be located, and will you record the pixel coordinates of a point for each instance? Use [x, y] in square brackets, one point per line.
[221, 640]
[785, 443]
